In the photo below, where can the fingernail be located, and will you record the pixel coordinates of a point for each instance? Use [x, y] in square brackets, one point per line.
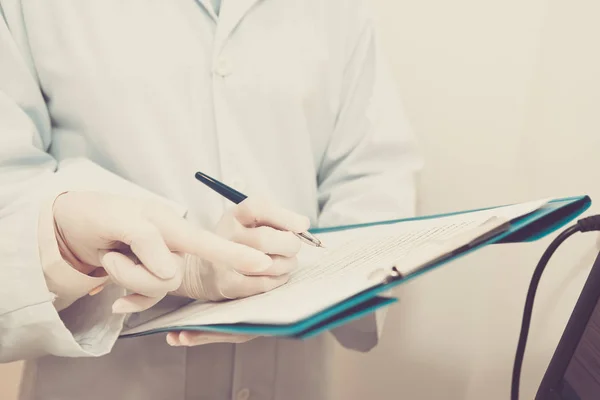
[96, 290]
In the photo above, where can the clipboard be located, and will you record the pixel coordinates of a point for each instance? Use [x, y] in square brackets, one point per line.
[531, 227]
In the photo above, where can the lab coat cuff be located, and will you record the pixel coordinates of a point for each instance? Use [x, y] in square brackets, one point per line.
[38, 330]
[31, 326]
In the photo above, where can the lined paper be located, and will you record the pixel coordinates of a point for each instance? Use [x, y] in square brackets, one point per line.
[328, 276]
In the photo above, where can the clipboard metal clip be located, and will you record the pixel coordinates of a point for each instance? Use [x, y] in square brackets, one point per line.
[393, 275]
[385, 276]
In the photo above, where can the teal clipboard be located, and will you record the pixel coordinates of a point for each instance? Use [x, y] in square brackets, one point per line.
[536, 225]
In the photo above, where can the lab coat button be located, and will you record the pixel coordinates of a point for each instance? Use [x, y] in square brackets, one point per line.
[223, 67]
[243, 394]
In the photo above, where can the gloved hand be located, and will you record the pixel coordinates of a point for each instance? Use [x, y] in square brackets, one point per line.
[139, 243]
[256, 223]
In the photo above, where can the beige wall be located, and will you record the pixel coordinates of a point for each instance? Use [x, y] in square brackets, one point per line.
[517, 82]
[508, 79]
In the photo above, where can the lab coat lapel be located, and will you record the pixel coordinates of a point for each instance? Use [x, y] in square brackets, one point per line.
[232, 12]
[209, 9]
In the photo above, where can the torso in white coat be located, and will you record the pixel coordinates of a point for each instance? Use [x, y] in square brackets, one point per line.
[278, 97]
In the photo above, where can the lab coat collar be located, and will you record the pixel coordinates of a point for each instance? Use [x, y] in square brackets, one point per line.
[207, 5]
[231, 14]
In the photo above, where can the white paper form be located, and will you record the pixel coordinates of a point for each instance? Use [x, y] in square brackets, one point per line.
[346, 267]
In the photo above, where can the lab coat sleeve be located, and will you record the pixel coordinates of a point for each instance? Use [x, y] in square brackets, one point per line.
[30, 324]
[368, 172]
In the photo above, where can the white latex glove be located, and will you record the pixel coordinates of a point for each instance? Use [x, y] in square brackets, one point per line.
[139, 243]
[256, 223]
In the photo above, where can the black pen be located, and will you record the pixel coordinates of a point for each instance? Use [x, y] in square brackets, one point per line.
[236, 197]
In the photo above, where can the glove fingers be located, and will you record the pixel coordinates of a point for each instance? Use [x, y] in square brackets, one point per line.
[255, 211]
[197, 338]
[182, 236]
[268, 240]
[134, 303]
[146, 242]
[281, 266]
[125, 272]
[239, 286]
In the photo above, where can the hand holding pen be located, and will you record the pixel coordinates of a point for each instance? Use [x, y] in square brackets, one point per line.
[237, 197]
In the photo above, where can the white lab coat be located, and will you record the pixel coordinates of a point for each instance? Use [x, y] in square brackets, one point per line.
[289, 99]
